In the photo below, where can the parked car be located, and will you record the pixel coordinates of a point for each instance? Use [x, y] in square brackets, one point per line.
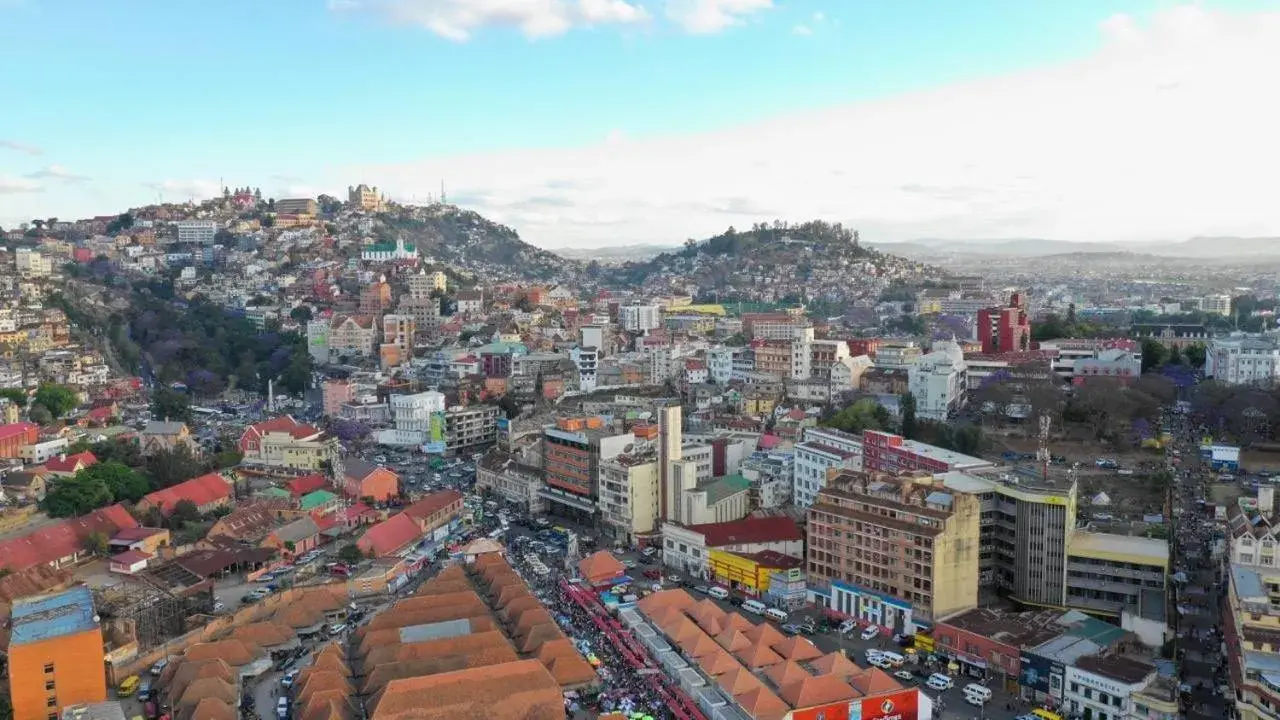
[940, 682]
[809, 627]
[282, 708]
[870, 633]
[848, 626]
[159, 666]
[905, 676]
[791, 629]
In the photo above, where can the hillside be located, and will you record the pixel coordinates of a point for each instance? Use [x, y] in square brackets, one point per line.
[467, 240]
[812, 260]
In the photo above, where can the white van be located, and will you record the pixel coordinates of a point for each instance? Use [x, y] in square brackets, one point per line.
[754, 606]
[894, 658]
[880, 661]
[776, 615]
[718, 592]
[940, 682]
[977, 692]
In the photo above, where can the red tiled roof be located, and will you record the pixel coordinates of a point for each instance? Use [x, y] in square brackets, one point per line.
[388, 536]
[432, 504]
[285, 424]
[68, 463]
[129, 557]
[201, 491]
[600, 566]
[13, 429]
[307, 483]
[749, 530]
[62, 539]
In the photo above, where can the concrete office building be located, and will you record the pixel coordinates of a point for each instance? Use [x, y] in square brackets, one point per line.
[197, 232]
[572, 451]
[629, 491]
[55, 654]
[893, 550]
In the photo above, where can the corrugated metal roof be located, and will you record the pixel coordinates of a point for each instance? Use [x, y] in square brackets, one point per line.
[49, 616]
[435, 631]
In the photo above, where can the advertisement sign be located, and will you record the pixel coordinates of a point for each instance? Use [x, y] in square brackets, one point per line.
[834, 711]
[902, 705]
[1036, 671]
[436, 434]
[434, 448]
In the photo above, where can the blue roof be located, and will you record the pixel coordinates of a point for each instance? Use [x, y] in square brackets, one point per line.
[937, 497]
[36, 619]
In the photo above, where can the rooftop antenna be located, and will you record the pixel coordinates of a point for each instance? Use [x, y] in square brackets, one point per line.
[443, 197]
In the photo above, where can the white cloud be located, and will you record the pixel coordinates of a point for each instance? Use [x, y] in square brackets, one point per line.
[711, 16]
[14, 186]
[807, 28]
[1166, 132]
[458, 20]
[183, 190]
[802, 29]
[56, 172]
[21, 147]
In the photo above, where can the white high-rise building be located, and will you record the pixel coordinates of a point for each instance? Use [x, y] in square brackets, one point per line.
[1244, 360]
[197, 232]
[1216, 305]
[639, 318]
[939, 382]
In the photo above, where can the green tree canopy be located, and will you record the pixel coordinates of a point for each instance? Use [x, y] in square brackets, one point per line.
[17, 396]
[864, 414]
[169, 404]
[124, 482]
[57, 399]
[74, 496]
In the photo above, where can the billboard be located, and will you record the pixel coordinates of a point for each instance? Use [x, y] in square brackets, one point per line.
[902, 705]
[834, 711]
[436, 434]
[1035, 672]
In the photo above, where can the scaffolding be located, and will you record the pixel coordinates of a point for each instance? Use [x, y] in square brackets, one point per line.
[154, 613]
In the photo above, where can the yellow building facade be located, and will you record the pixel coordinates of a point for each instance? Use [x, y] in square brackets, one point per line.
[747, 573]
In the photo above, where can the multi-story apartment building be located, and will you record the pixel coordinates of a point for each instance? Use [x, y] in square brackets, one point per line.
[197, 232]
[363, 197]
[938, 382]
[1244, 360]
[297, 206]
[886, 452]
[1024, 534]
[1007, 328]
[352, 335]
[1066, 352]
[422, 283]
[397, 340]
[897, 354]
[639, 318]
[376, 297]
[772, 475]
[772, 326]
[572, 451]
[629, 491]
[30, 263]
[471, 426]
[416, 412]
[587, 361]
[318, 340]
[773, 358]
[1216, 305]
[55, 654]
[1250, 628]
[1111, 574]
[893, 549]
[822, 451]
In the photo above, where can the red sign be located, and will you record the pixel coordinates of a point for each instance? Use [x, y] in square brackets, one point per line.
[902, 705]
[834, 711]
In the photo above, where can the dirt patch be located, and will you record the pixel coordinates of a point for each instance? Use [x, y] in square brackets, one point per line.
[1225, 493]
[1255, 460]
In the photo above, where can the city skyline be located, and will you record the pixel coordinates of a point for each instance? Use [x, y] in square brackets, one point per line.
[1076, 123]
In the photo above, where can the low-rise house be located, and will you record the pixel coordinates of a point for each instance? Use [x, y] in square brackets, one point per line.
[15, 435]
[25, 486]
[296, 538]
[64, 542]
[365, 480]
[145, 539]
[161, 435]
[248, 524]
[320, 502]
[207, 492]
[401, 532]
[285, 442]
[129, 562]
[68, 465]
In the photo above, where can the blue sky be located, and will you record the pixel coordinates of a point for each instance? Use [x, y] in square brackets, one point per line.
[123, 99]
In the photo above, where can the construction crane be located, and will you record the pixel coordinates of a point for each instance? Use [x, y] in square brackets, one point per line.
[1042, 452]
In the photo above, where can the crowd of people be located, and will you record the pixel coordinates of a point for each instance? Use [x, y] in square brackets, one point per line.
[626, 691]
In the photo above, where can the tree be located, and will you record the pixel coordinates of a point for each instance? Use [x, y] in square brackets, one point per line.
[17, 396]
[1195, 355]
[168, 467]
[40, 415]
[302, 313]
[75, 496]
[184, 511]
[97, 543]
[864, 414]
[170, 405]
[124, 482]
[907, 405]
[57, 399]
[1153, 354]
[350, 554]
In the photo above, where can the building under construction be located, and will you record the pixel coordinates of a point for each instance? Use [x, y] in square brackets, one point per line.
[152, 612]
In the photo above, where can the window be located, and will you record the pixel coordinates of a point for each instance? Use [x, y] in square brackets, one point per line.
[48, 668]
[52, 701]
[48, 684]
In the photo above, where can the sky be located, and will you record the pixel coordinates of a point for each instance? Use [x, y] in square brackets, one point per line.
[588, 123]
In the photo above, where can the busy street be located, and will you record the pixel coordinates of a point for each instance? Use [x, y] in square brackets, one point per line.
[1200, 566]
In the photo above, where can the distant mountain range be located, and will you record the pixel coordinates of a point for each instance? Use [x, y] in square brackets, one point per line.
[1196, 248]
[621, 253]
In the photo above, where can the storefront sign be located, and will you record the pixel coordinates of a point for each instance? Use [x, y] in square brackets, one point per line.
[904, 705]
[834, 711]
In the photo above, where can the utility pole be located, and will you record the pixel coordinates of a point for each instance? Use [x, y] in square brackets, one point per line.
[1042, 452]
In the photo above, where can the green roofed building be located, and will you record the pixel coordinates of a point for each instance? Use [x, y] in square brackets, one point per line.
[317, 500]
